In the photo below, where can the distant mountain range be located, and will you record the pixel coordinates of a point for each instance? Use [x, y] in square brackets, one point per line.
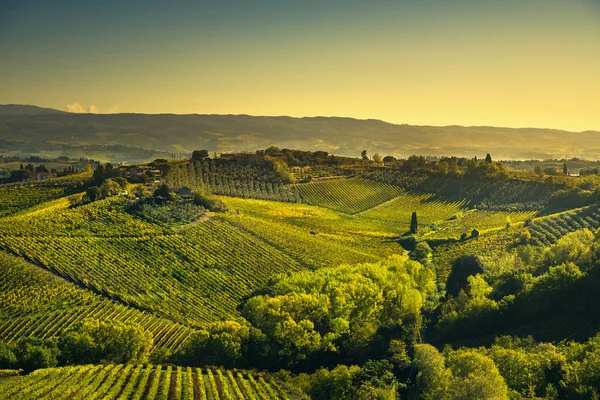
[30, 130]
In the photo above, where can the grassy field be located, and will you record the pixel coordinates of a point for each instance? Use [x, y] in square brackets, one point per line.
[129, 381]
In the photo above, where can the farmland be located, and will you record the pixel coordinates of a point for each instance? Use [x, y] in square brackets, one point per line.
[270, 275]
[141, 382]
[349, 196]
[548, 230]
[33, 302]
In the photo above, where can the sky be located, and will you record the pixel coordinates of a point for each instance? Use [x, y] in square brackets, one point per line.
[514, 63]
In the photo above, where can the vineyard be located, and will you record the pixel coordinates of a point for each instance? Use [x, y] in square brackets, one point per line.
[486, 194]
[310, 249]
[137, 382]
[175, 275]
[34, 302]
[397, 212]
[349, 196]
[20, 196]
[228, 179]
[14, 198]
[105, 218]
[547, 230]
[475, 219]
[490, 246]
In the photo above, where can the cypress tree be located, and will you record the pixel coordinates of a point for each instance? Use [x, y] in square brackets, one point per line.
[565, 170]
[414, 226]
[488, 158]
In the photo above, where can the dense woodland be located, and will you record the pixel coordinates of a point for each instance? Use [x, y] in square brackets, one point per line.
[295, 274]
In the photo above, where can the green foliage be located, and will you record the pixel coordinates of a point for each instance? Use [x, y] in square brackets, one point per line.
[8, 359]
[414, 225]
[219, 343]
[172, 211]
[34, 353]
[14, 198]
[341, 309]
[460, 374]
[93, 341]
[260, 180]
[211, 204]
[374, 380]
[462, 268]
[181, 283]
[527, 366]
[199, 155]
[397, 213]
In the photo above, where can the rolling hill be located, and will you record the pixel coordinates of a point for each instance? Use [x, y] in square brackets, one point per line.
[27, 130]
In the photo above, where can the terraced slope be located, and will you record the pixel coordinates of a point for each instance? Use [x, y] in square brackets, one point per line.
[33, 302]
[350, 196]
[135, 382]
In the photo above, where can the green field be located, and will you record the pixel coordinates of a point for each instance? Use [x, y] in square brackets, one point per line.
[135, 382]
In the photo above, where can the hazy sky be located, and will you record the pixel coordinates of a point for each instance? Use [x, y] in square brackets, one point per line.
[518, 63]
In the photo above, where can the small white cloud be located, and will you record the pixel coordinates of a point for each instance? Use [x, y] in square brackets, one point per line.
[113, 109]
[92, 109]
[75, 108]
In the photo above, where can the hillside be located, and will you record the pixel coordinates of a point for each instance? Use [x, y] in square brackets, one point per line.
[123, 291]
[21, 109]
[139, 137]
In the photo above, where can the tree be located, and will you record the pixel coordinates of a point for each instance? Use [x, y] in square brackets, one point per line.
[93, 193]
[389, 159]
[475, 376]
[377, 158]
[463, 267]
[199, 155]
[538, 171]
[220, 343]
[421, 253]
[93, 341]
[162, 192]
[8, 360]
[475, 233]
[363, 155]
[565, 170]
[414, 225]
[488, 158]
[109, 188]
[433, 377]
[33, 353]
